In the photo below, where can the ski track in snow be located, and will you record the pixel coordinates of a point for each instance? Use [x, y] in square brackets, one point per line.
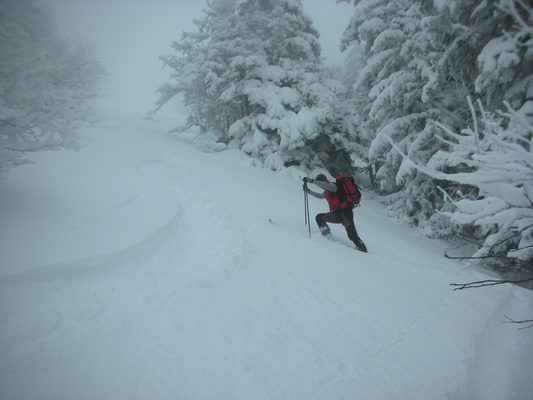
[208, 299]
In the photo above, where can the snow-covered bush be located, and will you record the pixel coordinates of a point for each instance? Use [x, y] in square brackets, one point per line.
[44, 82]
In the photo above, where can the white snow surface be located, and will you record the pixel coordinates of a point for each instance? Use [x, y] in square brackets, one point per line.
[143, 267]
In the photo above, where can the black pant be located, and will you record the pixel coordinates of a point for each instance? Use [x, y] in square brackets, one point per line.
[344, 217]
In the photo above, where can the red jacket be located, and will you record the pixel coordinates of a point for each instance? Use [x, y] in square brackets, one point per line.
[332, 199]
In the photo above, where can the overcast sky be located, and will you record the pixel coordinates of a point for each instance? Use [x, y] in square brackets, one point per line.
[130, 35]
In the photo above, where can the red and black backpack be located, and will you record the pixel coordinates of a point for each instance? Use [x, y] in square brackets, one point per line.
[348, 192]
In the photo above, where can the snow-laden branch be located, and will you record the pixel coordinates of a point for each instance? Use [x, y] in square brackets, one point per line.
[502, 172]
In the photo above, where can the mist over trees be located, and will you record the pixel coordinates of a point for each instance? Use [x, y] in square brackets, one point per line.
[45, 82]
[433, 103]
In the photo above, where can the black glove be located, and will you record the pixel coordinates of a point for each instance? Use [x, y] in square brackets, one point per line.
[308, 180]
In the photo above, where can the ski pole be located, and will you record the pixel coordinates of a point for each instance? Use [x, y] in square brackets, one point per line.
[308, 220]
[305, 202]
[306, 209]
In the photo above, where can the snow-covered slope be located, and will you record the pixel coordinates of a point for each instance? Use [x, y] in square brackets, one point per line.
[143, 267]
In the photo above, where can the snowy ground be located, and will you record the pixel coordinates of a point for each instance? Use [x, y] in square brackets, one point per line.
[142, 267]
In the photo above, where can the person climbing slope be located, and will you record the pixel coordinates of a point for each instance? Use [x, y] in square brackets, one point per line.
[342, 196]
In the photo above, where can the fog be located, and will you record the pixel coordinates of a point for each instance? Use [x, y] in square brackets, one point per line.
[130, 35]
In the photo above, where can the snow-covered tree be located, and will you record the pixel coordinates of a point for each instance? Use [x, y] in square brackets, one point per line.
[497, 156]
[396, 92]
[251, 76]
[492, 162]
[419, 64]
[44, 82]
[401, 47]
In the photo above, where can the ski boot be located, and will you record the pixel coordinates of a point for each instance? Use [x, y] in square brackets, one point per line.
[326, 232]
[359, 245]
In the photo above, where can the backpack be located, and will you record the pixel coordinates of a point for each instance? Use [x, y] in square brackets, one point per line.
[348, 192]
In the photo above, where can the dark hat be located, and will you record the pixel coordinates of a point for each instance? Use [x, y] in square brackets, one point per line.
[321, 177]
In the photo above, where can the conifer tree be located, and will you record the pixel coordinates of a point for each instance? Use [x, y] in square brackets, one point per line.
[394, 94]
[251, 77]
[419, 65]
[486, 171]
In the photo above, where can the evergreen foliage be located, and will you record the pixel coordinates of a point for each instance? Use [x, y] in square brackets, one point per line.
[251, 76]
[400, 45]
[420, 64]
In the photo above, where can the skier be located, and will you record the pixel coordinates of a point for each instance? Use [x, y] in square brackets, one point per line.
[340, 213]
